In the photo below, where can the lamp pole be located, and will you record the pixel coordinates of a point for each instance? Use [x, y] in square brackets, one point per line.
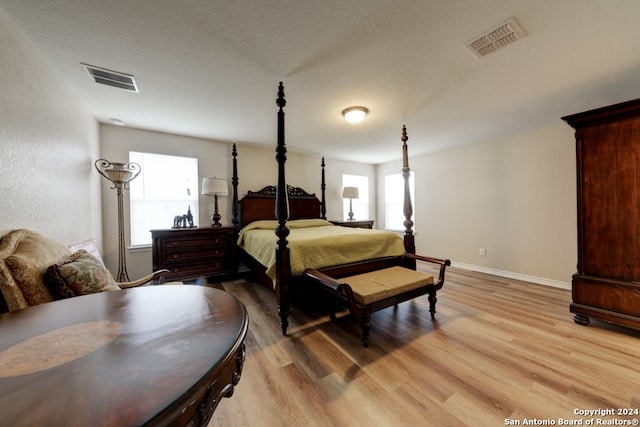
[350, 209]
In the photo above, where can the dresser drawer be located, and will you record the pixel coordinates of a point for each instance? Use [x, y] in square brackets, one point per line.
[194, 244]
[182, 258]
[194, 253]
[197, 269]
[185, 251]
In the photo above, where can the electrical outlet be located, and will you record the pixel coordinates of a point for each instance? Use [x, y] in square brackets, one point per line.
[483, 252]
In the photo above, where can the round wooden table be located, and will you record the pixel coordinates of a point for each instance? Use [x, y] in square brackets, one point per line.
[155, 355]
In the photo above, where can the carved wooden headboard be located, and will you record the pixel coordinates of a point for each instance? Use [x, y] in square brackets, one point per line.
[257, 205]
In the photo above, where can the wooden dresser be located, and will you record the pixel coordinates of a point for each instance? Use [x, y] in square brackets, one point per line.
[607, 283]
[192, 253]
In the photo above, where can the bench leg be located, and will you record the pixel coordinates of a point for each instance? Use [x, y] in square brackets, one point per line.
[432, 304]
[332, 310]
[365, 323]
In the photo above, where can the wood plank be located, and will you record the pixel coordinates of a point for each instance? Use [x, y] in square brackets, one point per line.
[500, 349]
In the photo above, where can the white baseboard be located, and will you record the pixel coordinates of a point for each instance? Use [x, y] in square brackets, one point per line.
[510, 275]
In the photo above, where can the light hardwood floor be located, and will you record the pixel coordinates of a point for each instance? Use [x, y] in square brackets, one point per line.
[501, 352]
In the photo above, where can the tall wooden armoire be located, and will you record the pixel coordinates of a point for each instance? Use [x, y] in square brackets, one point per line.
[607, 284]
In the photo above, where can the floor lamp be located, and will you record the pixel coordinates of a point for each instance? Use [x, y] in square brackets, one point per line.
[350, 193]
[120, 174]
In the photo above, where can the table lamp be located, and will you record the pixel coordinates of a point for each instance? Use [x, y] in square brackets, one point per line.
[350, 193]
[215, 187]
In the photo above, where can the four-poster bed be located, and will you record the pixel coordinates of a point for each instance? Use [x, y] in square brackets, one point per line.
[295, 214]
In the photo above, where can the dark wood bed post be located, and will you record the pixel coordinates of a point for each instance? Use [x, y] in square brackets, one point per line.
[283, 274]
[409, 239]
[323, 187]
[235, 216]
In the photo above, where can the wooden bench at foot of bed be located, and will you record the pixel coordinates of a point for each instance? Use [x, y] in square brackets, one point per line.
[366, 293]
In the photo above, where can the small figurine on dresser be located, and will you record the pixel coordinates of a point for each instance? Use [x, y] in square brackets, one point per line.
[181, 221]
[190, 217]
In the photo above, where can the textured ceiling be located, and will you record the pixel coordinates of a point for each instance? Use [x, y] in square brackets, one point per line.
[210, 68]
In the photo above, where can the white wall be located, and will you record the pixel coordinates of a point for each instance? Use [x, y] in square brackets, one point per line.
[334, 171]
[515, 197]
[256, 168]
[48, 140]
[116, 142]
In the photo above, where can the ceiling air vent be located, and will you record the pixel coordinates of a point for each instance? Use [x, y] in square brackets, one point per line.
[111, 78]
[501, 35]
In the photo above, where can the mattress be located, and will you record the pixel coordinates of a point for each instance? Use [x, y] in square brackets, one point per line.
[316, 243]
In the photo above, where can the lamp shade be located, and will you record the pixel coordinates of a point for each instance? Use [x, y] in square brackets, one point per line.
[214, 186]
[350, 193]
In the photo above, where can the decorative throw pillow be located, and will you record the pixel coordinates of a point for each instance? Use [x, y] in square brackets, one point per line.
[79, 274]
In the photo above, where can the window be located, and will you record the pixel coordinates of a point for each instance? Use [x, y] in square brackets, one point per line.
[361, 204]
[394, 200]
[166, 187]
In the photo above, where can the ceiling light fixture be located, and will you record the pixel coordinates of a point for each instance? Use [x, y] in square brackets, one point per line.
[355, 114]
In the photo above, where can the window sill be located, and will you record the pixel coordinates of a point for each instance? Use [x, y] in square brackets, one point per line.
[140, 248]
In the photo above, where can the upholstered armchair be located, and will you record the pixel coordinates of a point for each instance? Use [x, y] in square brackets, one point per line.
[35, 270]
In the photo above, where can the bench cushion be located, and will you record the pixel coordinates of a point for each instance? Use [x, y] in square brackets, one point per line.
[380, 284]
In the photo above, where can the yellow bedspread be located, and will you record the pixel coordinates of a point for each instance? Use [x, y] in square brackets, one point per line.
[316, 243]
